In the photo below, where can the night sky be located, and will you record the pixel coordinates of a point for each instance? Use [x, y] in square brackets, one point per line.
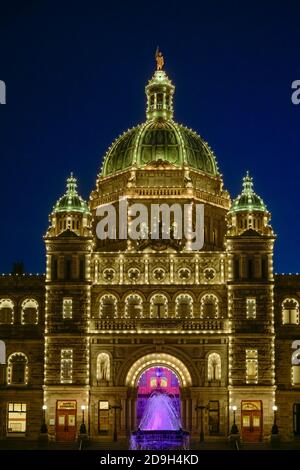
[75, 77]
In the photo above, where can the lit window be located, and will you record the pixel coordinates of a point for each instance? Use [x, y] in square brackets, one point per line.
[159, 306]
[209, 306]
[66, 366]
[108, 307]
[163, 382]
[30, 312]
[6, 311]
[251, 366]
[296, 375]
[184, 306]
[153, 382]
[17, 369]
[2, 352]
[133, 306]
[251, 308]
[16, 419]
[214, 367]
[67, 307]
[290, 312]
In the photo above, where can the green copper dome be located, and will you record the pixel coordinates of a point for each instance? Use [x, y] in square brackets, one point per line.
[159, 138]
[248, 200]
[71, 201]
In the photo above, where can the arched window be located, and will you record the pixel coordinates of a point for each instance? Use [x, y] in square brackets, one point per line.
[134, 306]
[108, 307]
[209, 306]
[30, 312]
[290, 312]
[17, 370]
[184, 306]
[6, 311]
[214, 367]
[159, 306]
[2, 352]
[103, 366]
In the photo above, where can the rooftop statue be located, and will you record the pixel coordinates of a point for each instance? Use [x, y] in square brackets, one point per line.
[159, 59]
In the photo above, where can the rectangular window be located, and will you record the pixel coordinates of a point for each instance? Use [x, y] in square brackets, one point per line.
[16, 419]
[66, 366]
[67, 307]
[213, 416]
[251, 366]
[251, 308]
[103, 417]
[296, 375]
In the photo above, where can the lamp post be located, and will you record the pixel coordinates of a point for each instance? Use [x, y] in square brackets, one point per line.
[115, 408]
[82, 426]
[201, 408]
[234, 428]
[44, 428]
[275, 427]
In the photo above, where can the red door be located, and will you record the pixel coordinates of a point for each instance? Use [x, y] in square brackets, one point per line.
[251, 421]
[66, 420]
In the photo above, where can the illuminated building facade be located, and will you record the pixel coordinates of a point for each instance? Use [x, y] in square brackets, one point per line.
[113, 320]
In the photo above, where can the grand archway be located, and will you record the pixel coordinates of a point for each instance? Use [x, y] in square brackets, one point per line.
[158, 359]
[158, 380]
[158, 400]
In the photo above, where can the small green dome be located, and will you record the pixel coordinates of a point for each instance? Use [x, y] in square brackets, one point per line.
[159, 138]
[71, 201]
[248, 200]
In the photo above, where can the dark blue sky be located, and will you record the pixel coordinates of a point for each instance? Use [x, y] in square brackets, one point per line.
[75, 76]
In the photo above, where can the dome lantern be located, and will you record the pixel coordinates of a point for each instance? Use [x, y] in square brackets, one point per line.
[160, 91]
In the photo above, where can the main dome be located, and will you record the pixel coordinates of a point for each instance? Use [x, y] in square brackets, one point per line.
[160, 138]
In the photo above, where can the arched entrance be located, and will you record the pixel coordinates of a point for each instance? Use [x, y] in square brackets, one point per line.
[158, 381]
[158, 400]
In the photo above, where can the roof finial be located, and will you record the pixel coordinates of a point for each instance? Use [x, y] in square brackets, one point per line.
[159, 59]
[71, 184]
[247, 183]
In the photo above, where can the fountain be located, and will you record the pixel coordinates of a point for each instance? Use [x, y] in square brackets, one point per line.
[160, 427]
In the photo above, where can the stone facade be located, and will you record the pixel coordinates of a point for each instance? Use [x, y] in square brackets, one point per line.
[107, 310]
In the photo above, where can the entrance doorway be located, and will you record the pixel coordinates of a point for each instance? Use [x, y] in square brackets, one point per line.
[251, 420]
[157, 381]
[66, 420]
[158, 414]
[296, 418]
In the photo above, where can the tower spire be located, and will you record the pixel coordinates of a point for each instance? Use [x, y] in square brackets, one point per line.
[159, 91]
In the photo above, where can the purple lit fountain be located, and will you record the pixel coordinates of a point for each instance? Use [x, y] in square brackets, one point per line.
[160, 426]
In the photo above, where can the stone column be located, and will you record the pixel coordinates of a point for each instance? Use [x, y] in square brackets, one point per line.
[128, 416]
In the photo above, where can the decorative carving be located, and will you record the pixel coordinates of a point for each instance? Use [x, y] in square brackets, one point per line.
[159, 274]
[209, 274]
[184, 274]
[109, 274]
[134, 274]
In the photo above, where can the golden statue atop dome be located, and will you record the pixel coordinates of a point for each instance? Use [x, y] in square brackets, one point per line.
[159, 59]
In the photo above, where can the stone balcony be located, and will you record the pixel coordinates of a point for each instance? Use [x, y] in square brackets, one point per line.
[171, 325]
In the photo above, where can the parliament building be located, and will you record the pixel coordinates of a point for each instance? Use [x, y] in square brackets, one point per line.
[114, 320]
